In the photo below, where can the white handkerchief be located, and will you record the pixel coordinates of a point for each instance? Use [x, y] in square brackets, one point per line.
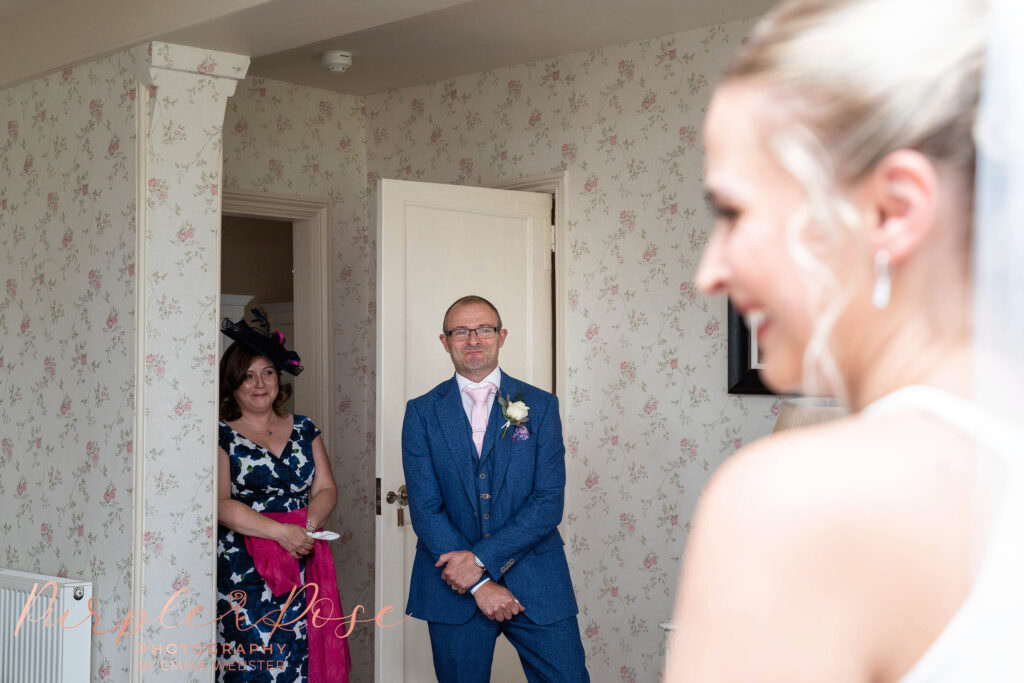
[324, 535]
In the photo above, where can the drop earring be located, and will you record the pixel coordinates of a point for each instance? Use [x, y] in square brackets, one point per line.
[883, 282]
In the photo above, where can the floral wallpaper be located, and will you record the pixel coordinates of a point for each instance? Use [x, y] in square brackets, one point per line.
[289, 139]
[647, 416]
[70, 452]
[67, 342]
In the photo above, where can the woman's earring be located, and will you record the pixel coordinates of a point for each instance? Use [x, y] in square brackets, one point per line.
[883, 283]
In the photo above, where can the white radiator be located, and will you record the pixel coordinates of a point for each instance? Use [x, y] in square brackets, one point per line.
[53, 641]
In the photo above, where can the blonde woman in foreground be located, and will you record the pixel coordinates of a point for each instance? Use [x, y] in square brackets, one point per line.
[887, 546]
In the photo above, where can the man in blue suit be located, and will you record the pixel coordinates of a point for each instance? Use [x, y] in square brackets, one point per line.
[485, 471]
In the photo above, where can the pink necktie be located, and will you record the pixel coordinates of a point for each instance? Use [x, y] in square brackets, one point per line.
[478, 415]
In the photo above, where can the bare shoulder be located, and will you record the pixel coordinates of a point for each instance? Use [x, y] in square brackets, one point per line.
[776, 501]
[804, 534]
[778, 480]
[844, 469]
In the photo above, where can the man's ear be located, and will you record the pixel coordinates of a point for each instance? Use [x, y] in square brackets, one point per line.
[901, 197]
[444, 342]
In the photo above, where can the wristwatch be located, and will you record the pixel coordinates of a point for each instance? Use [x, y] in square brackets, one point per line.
[310, 526]
[478, 562]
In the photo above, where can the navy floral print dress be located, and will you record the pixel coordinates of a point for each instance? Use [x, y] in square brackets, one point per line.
[267, 484]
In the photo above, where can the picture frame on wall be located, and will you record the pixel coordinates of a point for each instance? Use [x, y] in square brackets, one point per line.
[744, 357]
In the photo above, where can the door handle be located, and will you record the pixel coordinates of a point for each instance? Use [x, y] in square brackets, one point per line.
[401, 498]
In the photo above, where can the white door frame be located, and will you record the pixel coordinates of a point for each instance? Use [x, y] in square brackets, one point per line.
[310, 218]
[557, 184]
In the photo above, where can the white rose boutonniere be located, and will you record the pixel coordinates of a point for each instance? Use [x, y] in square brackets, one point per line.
[514, 412]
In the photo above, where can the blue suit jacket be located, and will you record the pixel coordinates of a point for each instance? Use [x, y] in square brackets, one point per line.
[523, 502]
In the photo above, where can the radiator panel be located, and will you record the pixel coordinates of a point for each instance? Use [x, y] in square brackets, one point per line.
[53, 643]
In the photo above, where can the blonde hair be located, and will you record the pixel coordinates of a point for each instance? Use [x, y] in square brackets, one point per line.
[858, 80]
[872, 76]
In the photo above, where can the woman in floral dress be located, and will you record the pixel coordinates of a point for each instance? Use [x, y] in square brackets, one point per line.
[272, 464]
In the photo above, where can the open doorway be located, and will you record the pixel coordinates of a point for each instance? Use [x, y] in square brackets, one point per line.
[256, 272]
[306, 220]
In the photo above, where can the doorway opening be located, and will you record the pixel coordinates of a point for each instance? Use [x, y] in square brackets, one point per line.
[308, 269]
[256, 272]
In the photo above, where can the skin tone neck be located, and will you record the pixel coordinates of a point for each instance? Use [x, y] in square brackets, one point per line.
[905, 355]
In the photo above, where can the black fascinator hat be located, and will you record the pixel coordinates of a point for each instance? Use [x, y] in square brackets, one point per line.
[263, 342]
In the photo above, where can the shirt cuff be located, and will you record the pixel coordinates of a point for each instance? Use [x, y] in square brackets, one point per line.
[478, 584]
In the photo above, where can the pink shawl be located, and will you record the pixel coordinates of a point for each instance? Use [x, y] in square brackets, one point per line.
[329, 660]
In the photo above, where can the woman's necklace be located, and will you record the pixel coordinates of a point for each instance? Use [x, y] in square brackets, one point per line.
[259, 430]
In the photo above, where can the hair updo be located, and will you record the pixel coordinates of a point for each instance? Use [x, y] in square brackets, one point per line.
[869, 77]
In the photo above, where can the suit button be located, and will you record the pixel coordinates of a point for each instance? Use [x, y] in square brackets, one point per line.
[487, 535]
[485, 496]
[483, 476]
[486, 516]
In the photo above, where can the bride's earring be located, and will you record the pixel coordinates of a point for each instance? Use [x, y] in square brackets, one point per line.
[883, 283]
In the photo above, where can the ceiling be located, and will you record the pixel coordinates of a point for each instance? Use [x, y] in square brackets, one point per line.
[395, 43]
[10, 9]
[461, 37]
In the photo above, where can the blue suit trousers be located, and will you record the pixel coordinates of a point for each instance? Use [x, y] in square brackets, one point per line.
[551, 653]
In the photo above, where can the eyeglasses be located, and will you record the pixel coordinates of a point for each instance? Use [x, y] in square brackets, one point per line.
[483, 332]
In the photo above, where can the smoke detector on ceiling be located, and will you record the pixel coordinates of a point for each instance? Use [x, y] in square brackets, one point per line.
[336, 61]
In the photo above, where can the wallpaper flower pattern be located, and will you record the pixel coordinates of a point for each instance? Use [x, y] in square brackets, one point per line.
[647, 415]
[70, 449]
[67, 343]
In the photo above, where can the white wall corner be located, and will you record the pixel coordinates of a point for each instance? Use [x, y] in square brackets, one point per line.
[183, 97]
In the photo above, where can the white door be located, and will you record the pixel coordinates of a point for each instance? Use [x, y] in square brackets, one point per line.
[436, 243]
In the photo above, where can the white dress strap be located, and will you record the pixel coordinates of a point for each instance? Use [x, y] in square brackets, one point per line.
[983, 640]
[1002, 439]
